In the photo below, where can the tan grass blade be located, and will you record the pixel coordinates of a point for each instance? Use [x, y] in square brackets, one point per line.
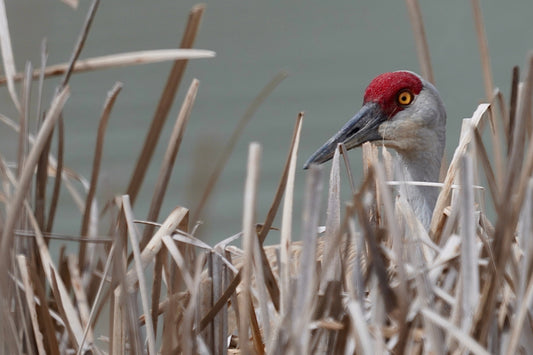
[28, 292]
[452, 330]
[134, 241]
[79, 293]
[520, 317]
[392, 225]
[360, 328]
[248, 240]
[271, 282]
[513, 103]
[516, 182]
[7, 56]
[286, 222]
[60, 295]
[179, 260]
[81, 42]
[66, 77]
[348, 168]
[469, 254]
[169, 158]
[307, 278]
[60, 291]
[489, 172]
[25, 178]
[265, 305]
[418, 259]
[119, 60]
[525, 226]
[154, 245]
[378, 266]
[97, 159]
[527, 164]
[97, 297]
[164, 105]
[118, 335]
[483, 48]
[24, 119]
[438, 217]
[59, 173]
[331, 263]
[422, 49]
[42, 167]
[45, 314]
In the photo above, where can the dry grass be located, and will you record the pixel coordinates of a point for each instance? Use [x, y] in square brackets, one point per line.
[375, 281]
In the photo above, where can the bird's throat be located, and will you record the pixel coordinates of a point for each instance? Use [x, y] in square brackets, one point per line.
[423, 167]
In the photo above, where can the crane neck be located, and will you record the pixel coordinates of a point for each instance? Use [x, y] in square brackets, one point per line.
[421, 166]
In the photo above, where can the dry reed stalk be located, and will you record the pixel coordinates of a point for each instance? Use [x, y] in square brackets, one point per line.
[271, 283]
[515, 185]
[132, 232]
[488, 79]
[7, 56]
[98, 151]
[46, 316]
[422, 48]
[180, 261]
[513, 103]
[117, 61]
[118, 336]
[63, 301]
[97, 298]
[332, 269]
[165, 103]
[41, 175]
[348, 168]
[291, 161]
[28, 291]
[169, 158]
[307, 281]
[483, 48]
[438, 217]
[80, 294]
[27, 173]
[59, 173]
[452, 330]
[248, 240]
[80, 43]
[286, 219]
[24, 119]
[154, 245]
[469, 250]
[489, 172]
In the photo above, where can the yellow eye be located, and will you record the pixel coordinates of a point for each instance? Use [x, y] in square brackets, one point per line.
[404, 98]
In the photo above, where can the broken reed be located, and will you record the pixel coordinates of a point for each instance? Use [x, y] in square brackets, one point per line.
[375, 281]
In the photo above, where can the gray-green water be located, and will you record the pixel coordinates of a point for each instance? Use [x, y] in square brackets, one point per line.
[330, 49]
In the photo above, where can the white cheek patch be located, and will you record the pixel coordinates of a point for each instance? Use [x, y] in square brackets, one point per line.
[409, 134]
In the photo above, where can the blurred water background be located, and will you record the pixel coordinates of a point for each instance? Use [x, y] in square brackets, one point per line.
[331, 51]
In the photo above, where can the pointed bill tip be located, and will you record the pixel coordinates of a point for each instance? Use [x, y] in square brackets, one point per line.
[363, 127]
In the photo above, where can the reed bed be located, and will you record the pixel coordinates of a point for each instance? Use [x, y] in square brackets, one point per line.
[372, 280]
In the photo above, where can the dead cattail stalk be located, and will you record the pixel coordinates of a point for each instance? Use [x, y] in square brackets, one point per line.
[165, 103]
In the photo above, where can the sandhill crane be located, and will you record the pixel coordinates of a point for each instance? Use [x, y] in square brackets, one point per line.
[402, 111]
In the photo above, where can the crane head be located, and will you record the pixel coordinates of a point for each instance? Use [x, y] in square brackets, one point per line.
[400, 110]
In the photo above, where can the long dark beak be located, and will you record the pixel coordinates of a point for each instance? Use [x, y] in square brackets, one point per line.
[363, 127]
